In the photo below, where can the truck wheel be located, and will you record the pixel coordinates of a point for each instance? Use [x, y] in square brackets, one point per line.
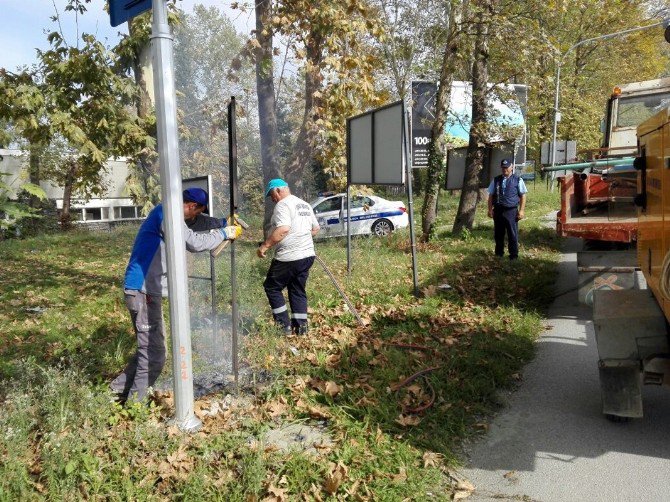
[617, 419]
[382, 227]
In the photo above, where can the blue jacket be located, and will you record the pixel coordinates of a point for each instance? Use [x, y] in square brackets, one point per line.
[511, 195]
[147, 267]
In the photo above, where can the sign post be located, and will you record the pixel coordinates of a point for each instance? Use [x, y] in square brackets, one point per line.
[378, 153]
[173, 210]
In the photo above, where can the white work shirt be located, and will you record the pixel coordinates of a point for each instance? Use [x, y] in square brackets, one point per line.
[294, 212]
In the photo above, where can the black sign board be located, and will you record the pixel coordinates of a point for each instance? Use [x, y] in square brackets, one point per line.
[423, 115]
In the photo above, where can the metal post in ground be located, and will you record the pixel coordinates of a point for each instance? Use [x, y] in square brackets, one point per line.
[171, 191]
[232, 162]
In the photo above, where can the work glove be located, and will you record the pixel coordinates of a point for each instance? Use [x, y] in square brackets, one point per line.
[231, 232]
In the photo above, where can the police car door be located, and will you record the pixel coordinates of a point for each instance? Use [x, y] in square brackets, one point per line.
[329, 215]
[359, 210]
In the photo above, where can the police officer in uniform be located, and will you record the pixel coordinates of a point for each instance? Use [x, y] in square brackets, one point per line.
[507, 202]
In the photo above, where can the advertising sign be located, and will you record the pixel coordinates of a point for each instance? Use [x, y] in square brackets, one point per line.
[423, 115]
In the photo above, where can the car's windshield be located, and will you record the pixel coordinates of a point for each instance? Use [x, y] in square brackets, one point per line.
[633, 111]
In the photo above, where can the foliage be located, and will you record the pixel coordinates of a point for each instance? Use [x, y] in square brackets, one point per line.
[12, 212]
[65, 332]
[205, 45]
[74, 104]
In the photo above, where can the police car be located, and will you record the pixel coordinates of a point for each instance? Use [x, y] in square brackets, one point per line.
[369, 215]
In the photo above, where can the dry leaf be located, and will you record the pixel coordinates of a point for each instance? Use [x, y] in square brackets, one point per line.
[431, 459]
[277, 407]
[401, 476]
[332, 389]
[408, 420]
[338, 473]
[276, 494]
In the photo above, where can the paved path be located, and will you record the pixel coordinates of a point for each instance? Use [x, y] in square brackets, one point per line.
[552, 443]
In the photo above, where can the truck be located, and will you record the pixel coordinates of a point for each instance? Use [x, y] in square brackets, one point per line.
[631, 326]
[598, 193]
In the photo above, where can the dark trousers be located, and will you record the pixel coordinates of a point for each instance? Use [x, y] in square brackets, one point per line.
[505, 222]
[146, 365]
[291, 275]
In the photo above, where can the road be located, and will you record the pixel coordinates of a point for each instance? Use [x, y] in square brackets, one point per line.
[551, 441]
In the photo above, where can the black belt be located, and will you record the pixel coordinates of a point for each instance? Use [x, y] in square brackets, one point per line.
[497, 206]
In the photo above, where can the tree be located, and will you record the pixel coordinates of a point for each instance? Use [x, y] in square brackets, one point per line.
[479, 135]
[74, 96]
[267, 107]
[437, 145]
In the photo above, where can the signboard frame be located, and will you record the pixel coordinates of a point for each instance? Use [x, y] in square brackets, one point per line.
[374, 142]
[121, 11]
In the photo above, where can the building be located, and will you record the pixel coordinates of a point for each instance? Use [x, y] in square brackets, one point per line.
[105, 212]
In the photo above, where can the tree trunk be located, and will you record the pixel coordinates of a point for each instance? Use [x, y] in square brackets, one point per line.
[474, 161]
[71, 176]
[265, 90]
[302, 156]
[436, 148]
[34, 172]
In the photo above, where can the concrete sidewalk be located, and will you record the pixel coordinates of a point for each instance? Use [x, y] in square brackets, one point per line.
[552, 443]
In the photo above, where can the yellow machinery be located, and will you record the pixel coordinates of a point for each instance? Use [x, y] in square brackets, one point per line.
[631, 326]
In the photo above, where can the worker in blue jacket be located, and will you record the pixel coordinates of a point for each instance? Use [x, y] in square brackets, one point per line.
[507, 203]
[144, 286]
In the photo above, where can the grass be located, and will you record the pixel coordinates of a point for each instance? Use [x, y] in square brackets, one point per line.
[65, 334]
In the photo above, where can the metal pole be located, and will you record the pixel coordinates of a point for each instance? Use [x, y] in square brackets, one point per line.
[212, 273]
[348, 228]
[408, 164]
[168, 152]
[556, 118]
[232, 161]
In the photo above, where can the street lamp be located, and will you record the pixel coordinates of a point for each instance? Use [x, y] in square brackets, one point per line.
[665, 23]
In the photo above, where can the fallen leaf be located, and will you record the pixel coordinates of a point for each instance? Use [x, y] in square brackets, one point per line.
[431, 459]
[338, 473]
[407, 420]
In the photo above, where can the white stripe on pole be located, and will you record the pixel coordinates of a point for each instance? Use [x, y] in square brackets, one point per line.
[173, 210]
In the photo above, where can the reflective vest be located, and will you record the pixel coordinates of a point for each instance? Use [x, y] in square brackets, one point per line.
[509, 197]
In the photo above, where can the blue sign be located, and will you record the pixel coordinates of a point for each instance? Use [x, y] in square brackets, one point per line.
[121, 11]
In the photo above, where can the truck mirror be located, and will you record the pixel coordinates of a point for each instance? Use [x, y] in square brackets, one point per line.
[602, 126]
[666, 34]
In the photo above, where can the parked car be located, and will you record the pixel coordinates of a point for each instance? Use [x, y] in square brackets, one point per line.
[369, 215]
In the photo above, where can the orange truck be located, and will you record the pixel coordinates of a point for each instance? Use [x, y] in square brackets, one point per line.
[597, 194]
[631, 326]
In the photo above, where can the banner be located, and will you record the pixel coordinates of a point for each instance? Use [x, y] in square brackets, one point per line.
[423, 115]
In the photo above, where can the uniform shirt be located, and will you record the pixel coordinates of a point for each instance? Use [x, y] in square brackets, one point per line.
[522, 186]
[294, 212]
[147, 266]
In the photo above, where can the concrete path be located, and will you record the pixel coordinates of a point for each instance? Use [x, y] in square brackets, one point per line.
[552, 443]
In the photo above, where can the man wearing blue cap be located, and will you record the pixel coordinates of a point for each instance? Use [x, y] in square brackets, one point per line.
[507, 203]
[201, 222]
[145, 284]
[292, 227]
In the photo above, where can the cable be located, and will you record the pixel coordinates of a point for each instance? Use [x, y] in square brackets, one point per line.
[664, 278]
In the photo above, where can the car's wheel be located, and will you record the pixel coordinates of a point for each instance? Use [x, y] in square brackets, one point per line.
[382, 227]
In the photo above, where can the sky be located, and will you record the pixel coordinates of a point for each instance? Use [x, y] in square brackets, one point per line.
[24, 25]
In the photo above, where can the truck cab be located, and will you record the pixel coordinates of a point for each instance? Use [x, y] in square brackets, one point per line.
[629, 106]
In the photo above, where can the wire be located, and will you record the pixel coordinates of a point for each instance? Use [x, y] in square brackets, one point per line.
[664, 278]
